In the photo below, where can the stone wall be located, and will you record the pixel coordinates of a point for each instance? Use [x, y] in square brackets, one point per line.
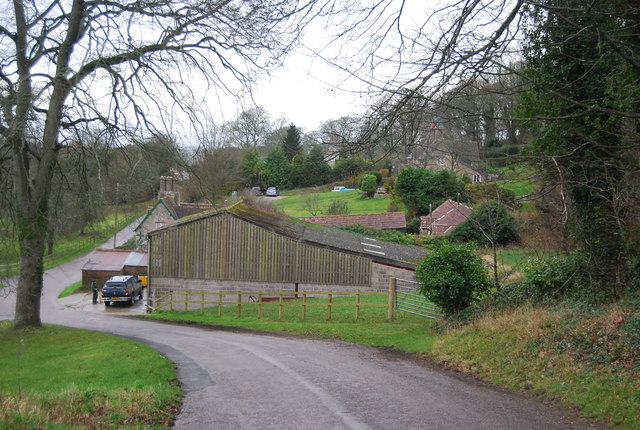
[159, 215]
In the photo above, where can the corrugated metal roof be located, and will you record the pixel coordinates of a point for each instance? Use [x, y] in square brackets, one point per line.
[383, 252]
[113, 260]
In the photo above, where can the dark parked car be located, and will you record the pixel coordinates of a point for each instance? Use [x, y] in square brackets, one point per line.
[122, 289]
[272, 192]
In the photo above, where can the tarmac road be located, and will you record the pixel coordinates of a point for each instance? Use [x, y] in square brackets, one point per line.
[239, 380]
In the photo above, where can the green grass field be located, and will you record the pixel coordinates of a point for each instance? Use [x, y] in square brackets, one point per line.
[296, 205]
[63, 378]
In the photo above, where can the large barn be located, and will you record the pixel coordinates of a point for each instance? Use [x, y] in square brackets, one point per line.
[244, 248]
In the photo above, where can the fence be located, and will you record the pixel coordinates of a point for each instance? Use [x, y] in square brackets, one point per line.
[402, 296]
[408, 299]
[184, 300]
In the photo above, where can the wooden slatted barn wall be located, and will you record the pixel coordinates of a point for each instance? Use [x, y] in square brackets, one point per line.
[224, 247]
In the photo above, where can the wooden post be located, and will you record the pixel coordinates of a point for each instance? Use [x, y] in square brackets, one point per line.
[281, 301]
[239, 311]
[201, 301]
[170, 300]
[186, 300]
[219, 303]
[392, 298]
[357, 305]
[259, 305]
[329, 302]
[304, 306]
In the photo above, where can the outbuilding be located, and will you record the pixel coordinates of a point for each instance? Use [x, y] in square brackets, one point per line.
[246, 248]
[105, 263]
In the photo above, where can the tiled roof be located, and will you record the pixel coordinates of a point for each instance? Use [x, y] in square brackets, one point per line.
[386, 220]
[313, 234]
[445, 218]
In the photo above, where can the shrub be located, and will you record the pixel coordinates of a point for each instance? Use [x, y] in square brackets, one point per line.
[489, 219]
[379, 234]
[413, 226]
[338, 207]
[552, 276]
[367, 185]
[452, 276]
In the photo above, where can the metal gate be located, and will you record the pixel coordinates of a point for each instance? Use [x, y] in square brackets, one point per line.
[408, 299]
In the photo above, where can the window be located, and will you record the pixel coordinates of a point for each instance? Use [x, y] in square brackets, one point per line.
[477, 179]
[441, 161]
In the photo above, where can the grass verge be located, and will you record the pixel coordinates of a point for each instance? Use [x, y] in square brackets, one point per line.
[59, 377]
[583, 361]
[406, 333]
[71, 289]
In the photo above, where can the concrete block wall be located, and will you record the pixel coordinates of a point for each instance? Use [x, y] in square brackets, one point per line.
[163, 286]
[381, 273]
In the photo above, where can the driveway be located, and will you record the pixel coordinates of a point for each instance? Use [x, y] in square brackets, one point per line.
[240, 380]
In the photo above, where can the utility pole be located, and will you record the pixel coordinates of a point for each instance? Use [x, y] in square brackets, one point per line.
[115, 224]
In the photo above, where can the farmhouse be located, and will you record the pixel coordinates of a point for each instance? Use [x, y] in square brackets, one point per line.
[244, 248]
[383, 221]
[444, 218]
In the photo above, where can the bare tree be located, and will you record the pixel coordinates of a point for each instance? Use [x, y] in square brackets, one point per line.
[124, 65]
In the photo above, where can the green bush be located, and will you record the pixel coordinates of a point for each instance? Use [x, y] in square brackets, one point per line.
[367, 185]
[338, 207]
[376, 233]
[489, 219]
[552, 276]
[413, 226]
[452, 276]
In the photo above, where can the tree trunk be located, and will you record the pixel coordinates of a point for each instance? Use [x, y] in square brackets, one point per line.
[31, 231]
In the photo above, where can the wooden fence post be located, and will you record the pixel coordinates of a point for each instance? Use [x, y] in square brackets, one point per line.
[304, 306]
[329, 303]
[239, 312]
[201, 301]
[392, 298]
[219, 303]
[280, 302]
[260, 306]
[357, 305]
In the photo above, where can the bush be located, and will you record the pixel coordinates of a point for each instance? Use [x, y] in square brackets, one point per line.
[489, 219]
[553, 276]
[452, 276]
[413, 226]
[367, 185]
[338, 207]
[379, 234]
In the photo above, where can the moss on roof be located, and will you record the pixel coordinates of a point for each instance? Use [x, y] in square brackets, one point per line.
[314, 234]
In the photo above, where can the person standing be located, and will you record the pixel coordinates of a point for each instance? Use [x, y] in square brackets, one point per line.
[94, 288]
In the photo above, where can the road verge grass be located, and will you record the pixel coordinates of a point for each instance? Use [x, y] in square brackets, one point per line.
[59, 377]
[406, 332]
[550, 353]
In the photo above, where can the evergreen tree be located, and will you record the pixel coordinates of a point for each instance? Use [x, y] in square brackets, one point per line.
[291, 144]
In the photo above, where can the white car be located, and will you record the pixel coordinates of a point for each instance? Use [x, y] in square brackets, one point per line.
[272, 192]
[339, 188]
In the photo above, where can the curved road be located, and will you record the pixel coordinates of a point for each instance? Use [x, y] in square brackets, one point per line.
[235, 380]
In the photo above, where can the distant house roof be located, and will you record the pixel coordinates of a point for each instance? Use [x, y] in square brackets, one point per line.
[386, 220]
[176, 211]
[113, 260]
[445, 218]
[313, 234]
